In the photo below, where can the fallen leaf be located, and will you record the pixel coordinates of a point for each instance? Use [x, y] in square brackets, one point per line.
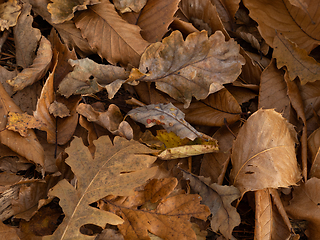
[37, 70]
[111, 119]
[218, 198]
[127, 164]
[305, 205]
[26, 38]
[297, 61]
[263, 154]
[8, 232]
[114, 39]
[166, 115]
[21, 123]
[282, 17]
[58, 109]
[313, 147]
[9, 13]
[129, 5]
[62, 10]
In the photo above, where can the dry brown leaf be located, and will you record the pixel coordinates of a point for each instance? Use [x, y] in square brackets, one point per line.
[26, 37]
[226, 10]
[129, 5]
[167, 116]
[57, 132]
[37, 70]
[218, 198]
[241, 94]
[21, 122]
[268, 222]
[195, 67]
[273, 91]
[263, 155]
[58, 109]
[282, 17]
[127, 164]
[152, 210]
[111, 119]
[63, 10]
[305, 205]
[28, 147]
[313, 146]
[88, 75]
[9, 13]
[297, 61]
[214, 110]
[155, 19]
[114, 39]
[7, 232]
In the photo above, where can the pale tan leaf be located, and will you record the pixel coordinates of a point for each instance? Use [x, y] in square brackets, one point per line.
[28, 147]
[195, 67]
[282, 17]
[114, 39]
[218, 198]
[88, 75]
[263, 155]
[62, 10]
[129, 5]
[166, 115]
[127, 164]
[155, 19]
[273, 90]
[111, 119]
[297, 61]
[9, 13]
[38, 68]
[26, 37]
[214, 110]
[58, 109]
[7, 232]
[305, 205]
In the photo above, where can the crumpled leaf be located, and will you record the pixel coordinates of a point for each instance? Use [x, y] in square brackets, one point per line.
[114, 39]
[166, 115]
[297, 61]
[218, 198]
[62, 10]
[37, 70]
[195, 67]
[58, 109]
[111, 119]
[115, 170]
[263, 155]
[9, 13]
[26, 37]
[291, 21]
[7, 232]
[152, 210]
[129, 5]
[87, 77]
[314, 147]
[22, 122]
[305, 205]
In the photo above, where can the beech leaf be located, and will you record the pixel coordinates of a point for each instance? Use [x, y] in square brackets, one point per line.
[263, 155]
[115, 170]
[195, 67]
[166, 115]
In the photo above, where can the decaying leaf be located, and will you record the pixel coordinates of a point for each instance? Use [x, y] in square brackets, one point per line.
[9, 13]
[166, 115]
[37, 70]
[129, 5]
[154, 211]
[218, 198]
[263, 155]
[295, 59]
[195, 67]
[115, 170]
[305, 205]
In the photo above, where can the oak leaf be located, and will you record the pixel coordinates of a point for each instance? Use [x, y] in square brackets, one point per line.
[263, 154]
[218, 198]
[195, 67]
[166, 115]
[297, 61]
[115, 170]
[152, 210]
[114, 39]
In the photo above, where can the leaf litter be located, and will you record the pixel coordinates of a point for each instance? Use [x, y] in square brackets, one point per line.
[229, 92]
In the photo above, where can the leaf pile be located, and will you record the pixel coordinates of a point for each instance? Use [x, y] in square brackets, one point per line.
[159, 119]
